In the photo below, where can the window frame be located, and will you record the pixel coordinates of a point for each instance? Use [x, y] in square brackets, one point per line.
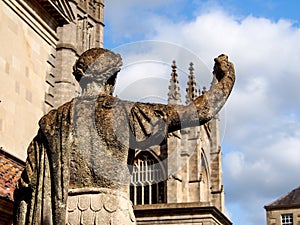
[287, 219]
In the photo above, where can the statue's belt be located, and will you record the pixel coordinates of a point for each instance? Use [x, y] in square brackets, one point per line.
[97, 198]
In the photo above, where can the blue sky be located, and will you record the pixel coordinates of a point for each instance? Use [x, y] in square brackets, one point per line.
[130, 12]
[261, 121]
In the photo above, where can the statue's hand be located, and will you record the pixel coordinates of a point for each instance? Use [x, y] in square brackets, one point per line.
[223, 67]
[209, 104]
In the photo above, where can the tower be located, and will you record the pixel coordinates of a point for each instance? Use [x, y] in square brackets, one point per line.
[85, 31]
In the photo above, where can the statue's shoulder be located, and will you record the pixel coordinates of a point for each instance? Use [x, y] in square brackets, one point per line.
[49, 121]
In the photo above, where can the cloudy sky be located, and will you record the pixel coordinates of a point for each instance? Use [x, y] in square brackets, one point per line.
[261, 120]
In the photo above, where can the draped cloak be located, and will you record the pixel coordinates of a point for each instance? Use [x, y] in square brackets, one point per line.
[41, 195]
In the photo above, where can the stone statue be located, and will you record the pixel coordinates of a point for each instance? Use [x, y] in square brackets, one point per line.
[77, 166]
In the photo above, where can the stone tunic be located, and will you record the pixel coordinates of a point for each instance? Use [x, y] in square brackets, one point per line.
[99, 175]
[104, 130]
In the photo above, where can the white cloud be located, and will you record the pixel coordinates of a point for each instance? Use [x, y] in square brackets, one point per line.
[149, 63]
[262, 114]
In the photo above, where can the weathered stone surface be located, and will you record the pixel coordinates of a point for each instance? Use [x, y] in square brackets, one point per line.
[102, 206]
[81, 152]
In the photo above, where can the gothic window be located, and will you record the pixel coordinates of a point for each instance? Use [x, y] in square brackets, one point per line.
[287, 219]
[147, 180]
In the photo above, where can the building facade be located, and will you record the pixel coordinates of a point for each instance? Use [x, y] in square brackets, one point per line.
[40, 41]
[178, 181]
[285, 210]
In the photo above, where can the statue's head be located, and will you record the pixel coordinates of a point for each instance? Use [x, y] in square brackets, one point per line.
[96, 71]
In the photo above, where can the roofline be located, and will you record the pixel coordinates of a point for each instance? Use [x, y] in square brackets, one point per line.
[272, 207]
[12, 157]
[276, 204]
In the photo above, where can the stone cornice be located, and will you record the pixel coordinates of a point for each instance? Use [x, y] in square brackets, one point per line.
[68, 46]
[59, 9]
[178, 212]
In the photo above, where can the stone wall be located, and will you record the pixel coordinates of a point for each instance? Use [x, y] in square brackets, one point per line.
[26, 62]
[40, 43]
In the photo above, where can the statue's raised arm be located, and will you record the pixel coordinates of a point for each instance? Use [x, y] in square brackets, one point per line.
[150, 123]
[209, 103]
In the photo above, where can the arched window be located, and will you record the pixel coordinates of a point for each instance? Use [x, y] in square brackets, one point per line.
[147, 181]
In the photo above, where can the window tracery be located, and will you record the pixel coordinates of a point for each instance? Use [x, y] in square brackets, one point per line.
[147, 180]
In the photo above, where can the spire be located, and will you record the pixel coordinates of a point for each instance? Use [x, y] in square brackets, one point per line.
[174, 97]
[191, 90]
